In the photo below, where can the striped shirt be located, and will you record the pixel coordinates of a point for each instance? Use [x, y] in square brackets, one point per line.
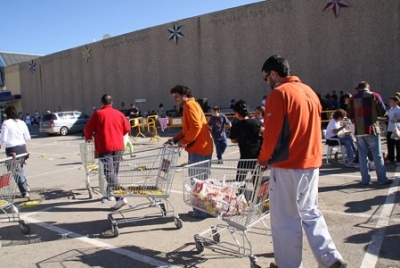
[366, 106]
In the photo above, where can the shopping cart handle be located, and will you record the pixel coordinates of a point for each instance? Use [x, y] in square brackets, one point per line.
[262, 168]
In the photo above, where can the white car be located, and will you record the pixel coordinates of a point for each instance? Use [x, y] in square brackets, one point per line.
[63, 123]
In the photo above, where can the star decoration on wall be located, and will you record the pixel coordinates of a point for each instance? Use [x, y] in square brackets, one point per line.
[86, 53]
[176, 33]
[32, 66]
[336, 5]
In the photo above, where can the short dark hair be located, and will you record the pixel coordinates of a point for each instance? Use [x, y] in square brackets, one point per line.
[106, 99]
[347, 96]
[11, 112]
[241, 108]
[395, 98]
[215, 108]
[278, 64]
[261, 109]
[182, 90]
[362, 85]
[339, 113]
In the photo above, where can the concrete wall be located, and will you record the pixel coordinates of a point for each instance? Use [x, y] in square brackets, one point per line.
[221, 55]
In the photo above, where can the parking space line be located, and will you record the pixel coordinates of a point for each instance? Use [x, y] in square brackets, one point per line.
[372, 254]
[51, 172]
[99, 244]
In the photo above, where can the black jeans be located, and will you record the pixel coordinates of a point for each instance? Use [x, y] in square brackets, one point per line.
[391, 145]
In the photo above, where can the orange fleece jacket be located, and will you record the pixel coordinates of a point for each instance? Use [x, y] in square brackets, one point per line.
[292, 121]
[195, 129]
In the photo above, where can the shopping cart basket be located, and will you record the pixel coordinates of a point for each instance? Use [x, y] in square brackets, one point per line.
[148, 175]
[236, 192]
[89, 162]
[10, 171]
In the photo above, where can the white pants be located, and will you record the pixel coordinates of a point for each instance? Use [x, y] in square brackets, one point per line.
[293, 205]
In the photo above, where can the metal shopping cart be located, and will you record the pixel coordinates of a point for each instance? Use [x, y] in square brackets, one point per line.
[10, 171]
[90, 163]
[148, 175]
[237, 192]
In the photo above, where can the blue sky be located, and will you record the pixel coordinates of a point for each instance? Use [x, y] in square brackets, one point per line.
[47, 26]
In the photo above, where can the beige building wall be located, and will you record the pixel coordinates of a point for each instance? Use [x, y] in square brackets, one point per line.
[221, 55]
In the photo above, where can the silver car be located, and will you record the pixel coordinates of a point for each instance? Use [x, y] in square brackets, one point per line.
[63, 122]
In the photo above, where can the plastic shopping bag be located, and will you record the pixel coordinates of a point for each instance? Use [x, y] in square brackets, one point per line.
[396, 132]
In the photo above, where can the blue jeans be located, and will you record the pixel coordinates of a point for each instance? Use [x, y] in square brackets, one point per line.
[374, 144]
[220, 146]
[351, 148]
[199, 173]
[110, 163]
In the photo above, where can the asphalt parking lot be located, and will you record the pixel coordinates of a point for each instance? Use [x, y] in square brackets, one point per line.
[67, 229]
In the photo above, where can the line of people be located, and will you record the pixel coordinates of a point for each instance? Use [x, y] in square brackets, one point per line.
[291, 146]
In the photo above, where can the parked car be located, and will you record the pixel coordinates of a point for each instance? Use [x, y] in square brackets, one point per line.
[63, 122]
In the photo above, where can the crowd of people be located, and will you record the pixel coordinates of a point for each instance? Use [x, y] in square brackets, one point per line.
[284, 134]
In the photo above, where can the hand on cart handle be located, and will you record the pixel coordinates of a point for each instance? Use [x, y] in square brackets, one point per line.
[263, 165]
[170, 142]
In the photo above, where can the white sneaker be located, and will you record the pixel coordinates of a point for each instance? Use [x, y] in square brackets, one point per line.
[120, 203]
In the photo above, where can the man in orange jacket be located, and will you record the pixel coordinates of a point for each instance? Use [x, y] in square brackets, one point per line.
[195, 136]
[292, 147]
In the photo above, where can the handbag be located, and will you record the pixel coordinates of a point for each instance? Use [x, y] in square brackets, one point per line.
[396, 132]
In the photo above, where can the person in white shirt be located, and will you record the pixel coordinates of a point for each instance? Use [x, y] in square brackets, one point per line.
[337, 130]
[394, 117]
[15, 133]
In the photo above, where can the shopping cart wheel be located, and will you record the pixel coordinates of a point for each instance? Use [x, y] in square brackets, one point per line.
[178, 223]
[216, 237]
[114, 229]
[199, 246]
[24, 228]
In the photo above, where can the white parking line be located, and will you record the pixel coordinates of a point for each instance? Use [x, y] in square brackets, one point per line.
[51, 172]
[130, 254]
[371, 255]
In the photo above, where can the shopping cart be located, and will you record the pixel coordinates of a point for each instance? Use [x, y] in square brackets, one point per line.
[10, 172]
[90, 163]
[236, 192]
[148, 175]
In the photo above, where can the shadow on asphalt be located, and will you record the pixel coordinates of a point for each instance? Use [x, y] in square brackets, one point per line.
[390, 246]
[367, 204]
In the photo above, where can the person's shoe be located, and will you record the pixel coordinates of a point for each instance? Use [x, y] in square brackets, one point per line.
[352, 165]
[339, 264]
[389, 181]
[120, 203]
[273, 265]
[198, 214]
[397, 163]
[23, 195]
[365, 183]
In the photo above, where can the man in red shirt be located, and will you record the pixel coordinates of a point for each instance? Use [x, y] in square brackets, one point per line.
[292, 147]
[108, 126]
